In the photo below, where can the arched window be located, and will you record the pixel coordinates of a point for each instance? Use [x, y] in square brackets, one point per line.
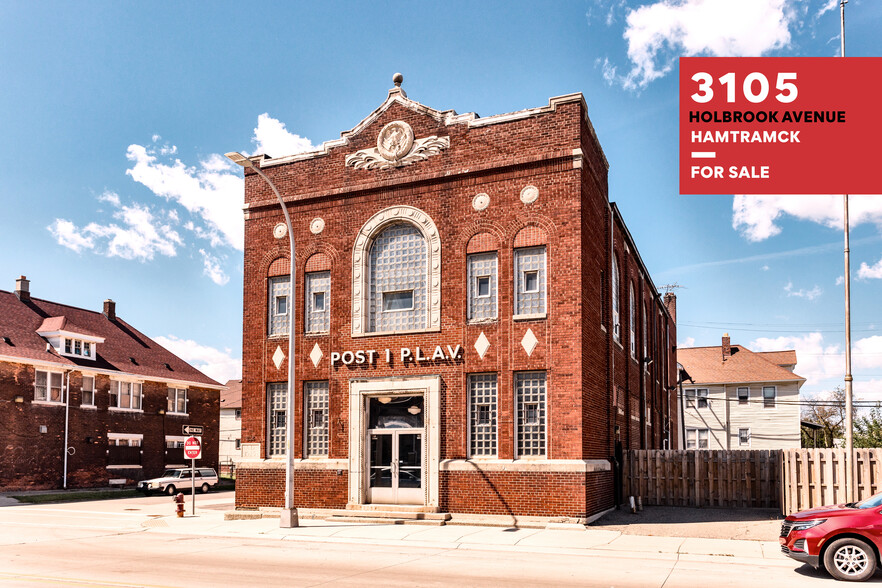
[617, 334]
[632, 321]
[397, 276]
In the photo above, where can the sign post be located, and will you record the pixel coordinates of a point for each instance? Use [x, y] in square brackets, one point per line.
[193, 451]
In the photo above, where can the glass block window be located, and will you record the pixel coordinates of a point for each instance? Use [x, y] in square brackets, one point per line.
[398, 278]
[483, 281]
[530, 280]
[318, 302]
[633, 322]
[279, 293]
[277, 401]
[482, 415]
[316, 394]
[530, 391]
[617, 329]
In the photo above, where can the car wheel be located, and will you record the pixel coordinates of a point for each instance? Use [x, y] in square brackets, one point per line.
[205, 488]
[850, 559]
[170, 490]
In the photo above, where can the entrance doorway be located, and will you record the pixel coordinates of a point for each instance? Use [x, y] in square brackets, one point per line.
[396, 436]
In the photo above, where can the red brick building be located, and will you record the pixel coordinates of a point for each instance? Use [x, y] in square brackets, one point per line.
[91, 386]
[475, 329]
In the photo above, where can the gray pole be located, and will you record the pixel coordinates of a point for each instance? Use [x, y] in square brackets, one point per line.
[289, 516]
[193, 482]
[849, 436]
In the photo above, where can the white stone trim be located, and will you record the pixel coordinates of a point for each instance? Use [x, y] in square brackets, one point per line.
[526, 465]
[137, 436]
[299, 464]
[360, 254]
[359, 391]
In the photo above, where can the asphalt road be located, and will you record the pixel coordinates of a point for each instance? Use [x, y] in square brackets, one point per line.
[112, 543]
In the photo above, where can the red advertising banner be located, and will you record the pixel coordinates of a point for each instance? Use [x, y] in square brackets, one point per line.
[780, 125]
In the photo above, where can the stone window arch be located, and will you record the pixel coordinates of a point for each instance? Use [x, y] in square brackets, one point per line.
[396, 273]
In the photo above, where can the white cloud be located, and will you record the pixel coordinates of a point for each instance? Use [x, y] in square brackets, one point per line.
[755, 215]
[827, 7]
[212, 268]
[840, 280]
[67, 234]
[765, 268]
[687, 342]
[139, 236]
[803, 293]
[273, 139]
[870, 271]
[212, 190]
[659, 33]
[110, 198]
[212, 362]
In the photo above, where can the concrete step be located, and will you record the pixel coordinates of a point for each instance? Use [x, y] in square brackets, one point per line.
[406, 515]
[387, 520]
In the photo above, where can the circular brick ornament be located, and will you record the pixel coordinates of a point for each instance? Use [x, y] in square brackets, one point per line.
[529, 194]
[280, 230]
[317, 225]
[480, 201]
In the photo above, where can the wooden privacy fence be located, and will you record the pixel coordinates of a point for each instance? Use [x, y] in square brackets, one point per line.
[816, 477]
[704, 478]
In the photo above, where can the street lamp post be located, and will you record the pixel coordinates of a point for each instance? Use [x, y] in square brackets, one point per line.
[289, 512]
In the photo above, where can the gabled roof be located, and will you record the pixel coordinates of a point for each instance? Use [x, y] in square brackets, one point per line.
[125, 350]
[55, 324]
[706, 365]
[232, 396]
[781, 358]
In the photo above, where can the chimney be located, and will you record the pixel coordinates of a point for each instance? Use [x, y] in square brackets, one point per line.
[23, 288]
[110, 309]
[671, 305]
[727, 347]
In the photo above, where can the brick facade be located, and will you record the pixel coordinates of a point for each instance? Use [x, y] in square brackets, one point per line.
[552, 149]
[32, 459]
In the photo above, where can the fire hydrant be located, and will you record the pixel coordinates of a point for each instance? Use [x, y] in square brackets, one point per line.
[179, 504]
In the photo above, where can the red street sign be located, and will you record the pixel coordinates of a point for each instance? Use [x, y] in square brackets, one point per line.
[193, 448]
[780, 125]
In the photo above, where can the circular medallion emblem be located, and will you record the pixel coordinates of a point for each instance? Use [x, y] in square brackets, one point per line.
[280, 230]
[480, 201]
[529, 194]
[395, 140]
[317, 225]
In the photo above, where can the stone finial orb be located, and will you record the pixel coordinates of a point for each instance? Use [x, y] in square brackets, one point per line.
[397, 79]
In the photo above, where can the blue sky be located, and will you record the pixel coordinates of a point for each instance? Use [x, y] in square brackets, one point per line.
[113, 117]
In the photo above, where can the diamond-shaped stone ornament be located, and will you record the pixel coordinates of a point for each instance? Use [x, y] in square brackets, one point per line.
[529, 342]
[316, 355]
[482, 345]
[278, 357]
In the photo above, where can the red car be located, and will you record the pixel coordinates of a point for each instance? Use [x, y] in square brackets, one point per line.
[845, 539]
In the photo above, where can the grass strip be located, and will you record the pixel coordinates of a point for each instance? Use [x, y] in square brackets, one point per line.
[75, 496]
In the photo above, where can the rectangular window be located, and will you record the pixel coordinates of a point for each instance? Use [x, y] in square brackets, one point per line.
[316, 394]
[702, 438]
[238, 444]
[482, 270]
[530, 392]
[279, 289]
[238, 414]
[482, 410]
[277, 401]
[125, 395]
[88, 397]
[68, 346]
[744, 437]
[395, 301]
[769, 394]
[177, 401]
[530, 281]
[48, 387]
[78, 347]
[697, 438]
[701, 396]
[743, 395]
[87, 349]
[318, 311]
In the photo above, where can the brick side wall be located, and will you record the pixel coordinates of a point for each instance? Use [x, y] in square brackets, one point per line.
[265, 487]
[33, 460]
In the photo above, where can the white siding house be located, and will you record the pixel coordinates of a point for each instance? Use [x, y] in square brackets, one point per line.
[230, 424]
[739, 399]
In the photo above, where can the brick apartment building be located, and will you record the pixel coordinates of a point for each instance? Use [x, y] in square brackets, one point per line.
[475, 329]
[93, 385]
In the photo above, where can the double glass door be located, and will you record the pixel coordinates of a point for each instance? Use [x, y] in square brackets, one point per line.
[395, 458]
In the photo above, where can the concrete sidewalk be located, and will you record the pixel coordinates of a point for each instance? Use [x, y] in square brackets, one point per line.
[571, 541]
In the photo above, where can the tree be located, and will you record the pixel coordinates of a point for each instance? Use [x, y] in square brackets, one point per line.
[868, 429]
[828, 411]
